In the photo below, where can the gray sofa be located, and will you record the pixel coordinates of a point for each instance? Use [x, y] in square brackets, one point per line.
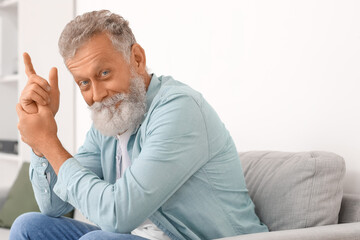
[297, 195]
[300, 196]
[8, 173]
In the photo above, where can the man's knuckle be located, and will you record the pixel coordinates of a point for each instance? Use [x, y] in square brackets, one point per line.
[32, 77]
[33, 87]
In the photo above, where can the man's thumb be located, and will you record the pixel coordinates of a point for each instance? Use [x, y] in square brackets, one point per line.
[53, 79]
[54, 92]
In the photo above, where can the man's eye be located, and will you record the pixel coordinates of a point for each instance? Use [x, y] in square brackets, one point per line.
[83, 83]
[104, 73]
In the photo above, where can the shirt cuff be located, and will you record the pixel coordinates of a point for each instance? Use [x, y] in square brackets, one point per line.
[65, 175]
[39, 164]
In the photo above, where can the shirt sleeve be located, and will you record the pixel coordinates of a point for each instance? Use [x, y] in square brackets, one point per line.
[43, 177]
[174, 148]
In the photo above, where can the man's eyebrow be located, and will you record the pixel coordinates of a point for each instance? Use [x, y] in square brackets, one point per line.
[79, 78]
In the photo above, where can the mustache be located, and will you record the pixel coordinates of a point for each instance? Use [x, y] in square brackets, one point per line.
[109, 102]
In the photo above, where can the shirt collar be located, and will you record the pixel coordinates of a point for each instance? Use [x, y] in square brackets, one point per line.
[153, 89]
[125, 135]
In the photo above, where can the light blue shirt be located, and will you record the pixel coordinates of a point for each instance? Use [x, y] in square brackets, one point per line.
[185, 175]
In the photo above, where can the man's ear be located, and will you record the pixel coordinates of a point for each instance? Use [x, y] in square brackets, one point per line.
[138, 58]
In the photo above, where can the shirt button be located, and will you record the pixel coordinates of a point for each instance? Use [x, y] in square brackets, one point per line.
[43, 164]
[45, 190]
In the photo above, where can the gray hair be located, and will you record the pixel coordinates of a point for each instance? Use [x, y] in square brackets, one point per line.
[83, 27]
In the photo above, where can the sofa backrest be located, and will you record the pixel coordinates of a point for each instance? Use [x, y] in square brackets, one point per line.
[294, 190]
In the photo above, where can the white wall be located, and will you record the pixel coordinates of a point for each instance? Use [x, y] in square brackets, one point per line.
[283, 75]
[41, 23]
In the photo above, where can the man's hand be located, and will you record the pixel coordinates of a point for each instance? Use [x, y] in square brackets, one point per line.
[38, 91]
[39, 131]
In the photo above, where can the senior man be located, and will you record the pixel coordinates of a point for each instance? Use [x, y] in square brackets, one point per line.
[157, 163]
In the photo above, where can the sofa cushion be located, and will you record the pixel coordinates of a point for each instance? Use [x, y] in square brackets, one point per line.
[294, 190]
[20, 200]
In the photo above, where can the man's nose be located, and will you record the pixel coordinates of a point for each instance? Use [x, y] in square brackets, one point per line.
[99, 92]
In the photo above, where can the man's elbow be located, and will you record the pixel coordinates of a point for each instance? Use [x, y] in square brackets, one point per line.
[50, 212]
[54, 212]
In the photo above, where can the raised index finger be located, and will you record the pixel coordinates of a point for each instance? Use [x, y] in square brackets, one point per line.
[29, 69]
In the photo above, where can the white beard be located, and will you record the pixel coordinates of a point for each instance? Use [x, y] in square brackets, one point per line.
[112, 120]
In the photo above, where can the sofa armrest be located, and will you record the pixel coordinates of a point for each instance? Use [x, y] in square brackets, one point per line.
[347, 231]
[350, 209]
